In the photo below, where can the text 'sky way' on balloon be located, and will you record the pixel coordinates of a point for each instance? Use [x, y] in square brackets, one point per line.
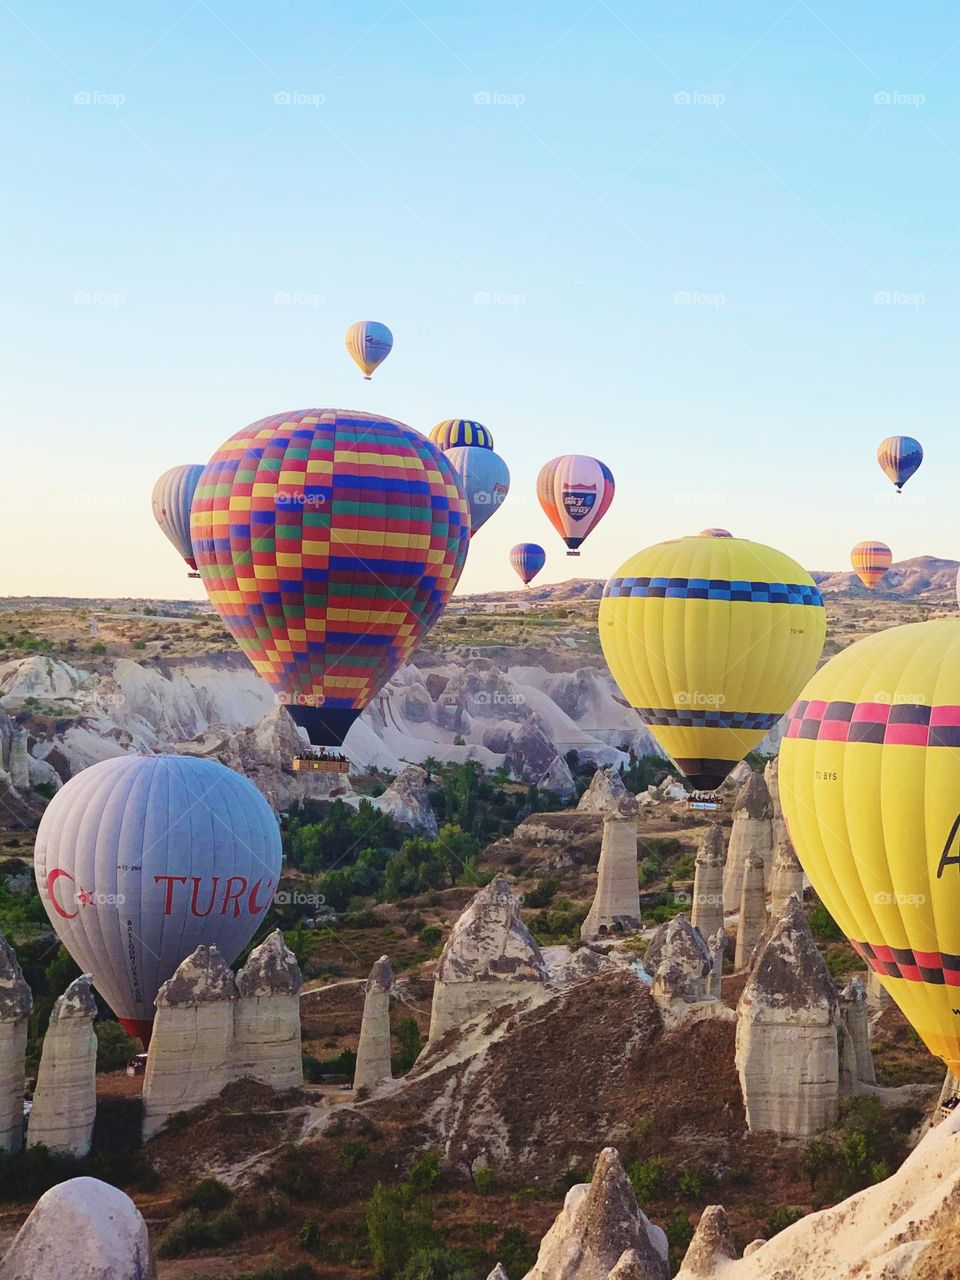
[455, 433]
[899, 457]
[369, 343]
[575, 492]
[870, 786]
[527, 559]
[140, 859]
[711, 639]
[172, 499]
[329, 542]
[485, 480]
[870, 561]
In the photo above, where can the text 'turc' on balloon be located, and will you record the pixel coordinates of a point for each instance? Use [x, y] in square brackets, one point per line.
[575, 492]
[141, 859]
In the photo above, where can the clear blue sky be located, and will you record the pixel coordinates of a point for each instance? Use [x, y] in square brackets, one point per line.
[149, 229]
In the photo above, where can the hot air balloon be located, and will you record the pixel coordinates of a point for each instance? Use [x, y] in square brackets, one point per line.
[714, 533]
[899, 457]
[454, 433]
[710, 639]
[575, 491]
[172, 498]
[140, 859]
[527, 559]
[329, 542]
[369, 343]
[485, 480]
[870, 561]
[870, 786]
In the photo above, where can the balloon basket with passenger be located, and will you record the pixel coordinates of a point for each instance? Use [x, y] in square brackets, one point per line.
[320, 761]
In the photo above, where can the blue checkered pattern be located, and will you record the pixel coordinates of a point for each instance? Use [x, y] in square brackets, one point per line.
[714, 589]
[688, 718]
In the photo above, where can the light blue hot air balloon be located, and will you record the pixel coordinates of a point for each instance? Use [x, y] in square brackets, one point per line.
[140, 859]
[172, 499]
[485, 479]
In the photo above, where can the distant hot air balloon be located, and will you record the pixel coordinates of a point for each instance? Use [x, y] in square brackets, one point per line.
[172, 498]
[575, 492]
[714, 533]
[369, 343]
[710, 639]
[527, 559]
[870, 561]
[485, 480]
[870, 786]
[899, 457]
[329, 542]
[140, 859]
[455, 433]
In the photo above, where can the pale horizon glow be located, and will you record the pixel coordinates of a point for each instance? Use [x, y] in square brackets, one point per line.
[716, 247]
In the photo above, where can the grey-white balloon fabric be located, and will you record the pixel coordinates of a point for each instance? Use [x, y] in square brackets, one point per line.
[140, 859]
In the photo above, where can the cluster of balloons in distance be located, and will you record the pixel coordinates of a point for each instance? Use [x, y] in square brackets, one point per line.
[899, 457]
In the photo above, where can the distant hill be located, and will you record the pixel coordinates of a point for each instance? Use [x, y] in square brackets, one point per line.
[922, 578]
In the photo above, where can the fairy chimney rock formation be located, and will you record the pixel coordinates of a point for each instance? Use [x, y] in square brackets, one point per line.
[787, 1021]
[490, 959]
[752, 833]
[677, 943]
[189, 1060]
[373, 1052]
[65, 1099]
[598, 1229]
[712, 1244]
[786, 877]
[498, 1273]
[718, 947]
[753, 910]
[266, 1029]
[16, 1005]
[853, 1012]
[771, 776]
[707, 912]
[606, 793]
[19, 766]
[407, 801]
[616, 903]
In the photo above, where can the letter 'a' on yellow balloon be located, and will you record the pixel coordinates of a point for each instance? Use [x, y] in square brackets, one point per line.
[711, 639]
[870, 786]
[870, 561]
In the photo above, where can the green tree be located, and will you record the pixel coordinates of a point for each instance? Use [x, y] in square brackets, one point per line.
[397, 1226]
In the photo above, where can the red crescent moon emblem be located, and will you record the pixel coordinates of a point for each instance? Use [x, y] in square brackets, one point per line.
[52, 878]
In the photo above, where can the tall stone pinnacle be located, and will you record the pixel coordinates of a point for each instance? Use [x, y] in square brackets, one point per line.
[616, 903]
[752, 833]
[707, 912]
[753, 910]
[373, 1051]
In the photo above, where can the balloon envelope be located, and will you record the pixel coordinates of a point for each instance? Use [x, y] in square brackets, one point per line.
[369, 343]
[329, 542]
[575, 492]
[870, 786]
[870, 561]
[140, 859]
[485, 480]
[172, 499]
[527, 559]
[455, 432]
[710, 639]
[899, 457]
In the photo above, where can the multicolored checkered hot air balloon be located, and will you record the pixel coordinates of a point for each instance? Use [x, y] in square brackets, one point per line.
[527, 559]
[870, 561]
[711, 639]
[899, 457]
[369, 343]
[575, 492]
[329, 542]
[171, 500]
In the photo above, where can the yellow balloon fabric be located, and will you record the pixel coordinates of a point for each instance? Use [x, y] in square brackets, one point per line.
[870, 786]
[711, 639]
